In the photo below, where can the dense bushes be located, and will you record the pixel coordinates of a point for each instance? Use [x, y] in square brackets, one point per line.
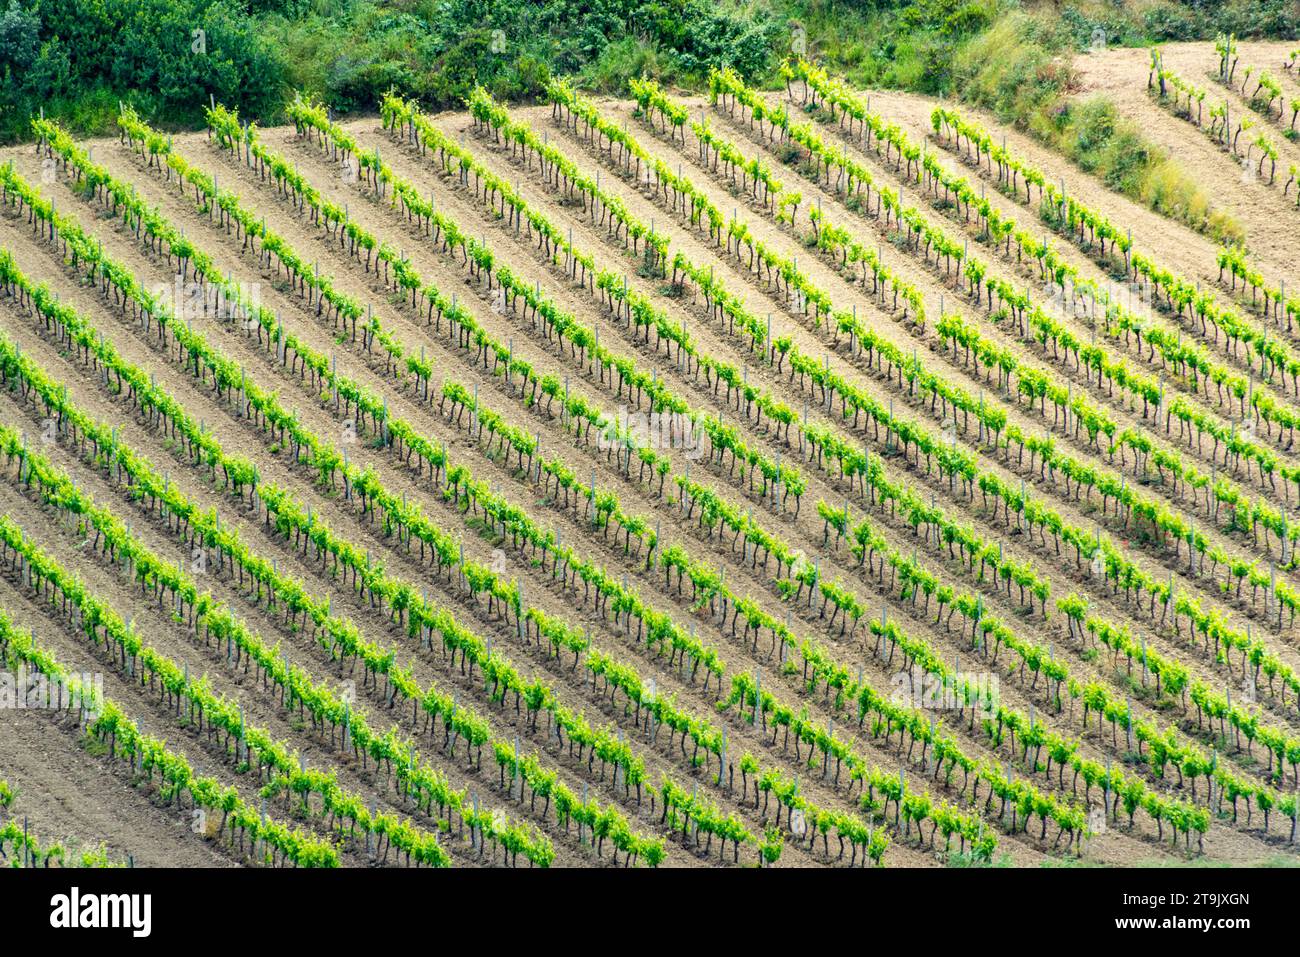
[436, 51]
[1017, 68]
[76, 58]
[1199, 20]
[899, 43]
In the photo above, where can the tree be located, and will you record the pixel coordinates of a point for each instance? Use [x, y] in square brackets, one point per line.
[20, 37]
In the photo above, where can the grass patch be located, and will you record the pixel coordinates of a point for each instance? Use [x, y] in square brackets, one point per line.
[1020, 70]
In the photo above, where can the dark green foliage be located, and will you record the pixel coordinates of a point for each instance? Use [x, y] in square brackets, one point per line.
[93, 52]
[1204, 19]
[77, 58]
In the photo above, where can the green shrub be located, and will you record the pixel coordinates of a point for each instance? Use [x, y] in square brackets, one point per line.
[1014, 68]
[619, 62]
